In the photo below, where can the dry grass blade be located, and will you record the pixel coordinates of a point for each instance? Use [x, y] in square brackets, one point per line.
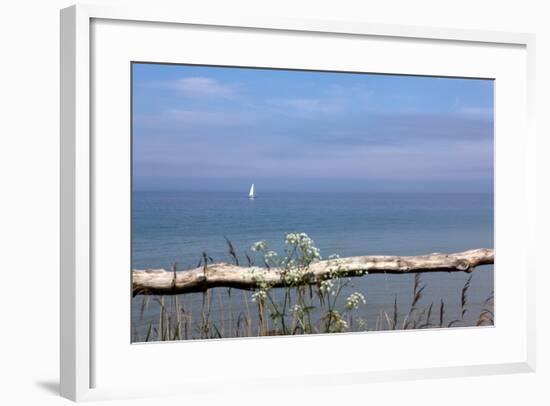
[160, 331]
[203, 315]
[144, 306]
[464, 296]
[453, 322]
[417, 295]
[149, 329]
[417, 289]
[204, 261]
[169, 327]
[441, 313]
[221, 309]
[428, 322]
[231, 251]
[489, 299]
[407, 322]
[174, 272]
[178, 316]
[485, 319]
[428, 317]
[417, 319]
[388, 320]
[395, 315]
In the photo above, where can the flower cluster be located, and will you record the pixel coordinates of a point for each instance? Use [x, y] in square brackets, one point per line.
[355, 300]
[326, 286]
[305, 245]
[362, 323]
[293, 238]
[289, 262]
[293, 276]
[338, 323]
[298, 310]
[341, 325]
[259, 246]
[260, 294]
[270, 258]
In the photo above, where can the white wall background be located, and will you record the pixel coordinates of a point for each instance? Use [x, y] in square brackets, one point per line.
[29, 203]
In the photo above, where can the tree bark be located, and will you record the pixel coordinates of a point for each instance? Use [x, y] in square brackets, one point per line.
[160, 281]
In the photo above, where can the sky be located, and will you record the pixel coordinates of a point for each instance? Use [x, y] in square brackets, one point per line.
[198, 128]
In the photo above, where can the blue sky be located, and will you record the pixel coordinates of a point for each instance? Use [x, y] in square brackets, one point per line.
[220, 129]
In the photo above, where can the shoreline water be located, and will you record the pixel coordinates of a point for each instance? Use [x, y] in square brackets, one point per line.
[177, 227]
[170, 227]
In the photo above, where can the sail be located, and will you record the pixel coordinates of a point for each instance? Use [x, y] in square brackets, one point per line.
[252, 194]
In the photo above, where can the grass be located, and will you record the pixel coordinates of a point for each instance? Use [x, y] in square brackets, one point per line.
[295, 309]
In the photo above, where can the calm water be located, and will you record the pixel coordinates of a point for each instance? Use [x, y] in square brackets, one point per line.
[178, 227]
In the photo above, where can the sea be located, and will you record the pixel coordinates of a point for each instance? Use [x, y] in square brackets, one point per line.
[176, 228]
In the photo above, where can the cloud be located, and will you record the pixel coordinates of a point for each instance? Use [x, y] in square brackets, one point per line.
[185, 119]
[307, 106]
[210, 118]
[204, 87]
[432, 128]
[199, 87]
[484, 113]
[234, 157]
[465, 161]
[413, 129]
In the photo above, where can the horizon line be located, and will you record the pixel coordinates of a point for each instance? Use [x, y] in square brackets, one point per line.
[309, 191]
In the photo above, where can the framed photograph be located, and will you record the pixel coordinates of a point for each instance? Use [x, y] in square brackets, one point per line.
[272, 201]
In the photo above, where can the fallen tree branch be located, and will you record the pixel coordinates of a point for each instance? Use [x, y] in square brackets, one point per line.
[160, 281]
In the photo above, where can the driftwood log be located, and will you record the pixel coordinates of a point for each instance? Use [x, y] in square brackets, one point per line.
[160, 281]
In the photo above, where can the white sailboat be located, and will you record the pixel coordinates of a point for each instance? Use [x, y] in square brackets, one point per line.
[252, 193]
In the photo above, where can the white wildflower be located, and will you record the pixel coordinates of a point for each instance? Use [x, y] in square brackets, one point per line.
[293, 276]
[338, 322]
[341, 324]
[291, 238]
[259, 296]
[297, 309]
[355, 300]
[259, 246]
[289, 262]
[326, 286]
[270, 257]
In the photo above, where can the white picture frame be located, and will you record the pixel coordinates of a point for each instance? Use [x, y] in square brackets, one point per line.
[78, 185]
